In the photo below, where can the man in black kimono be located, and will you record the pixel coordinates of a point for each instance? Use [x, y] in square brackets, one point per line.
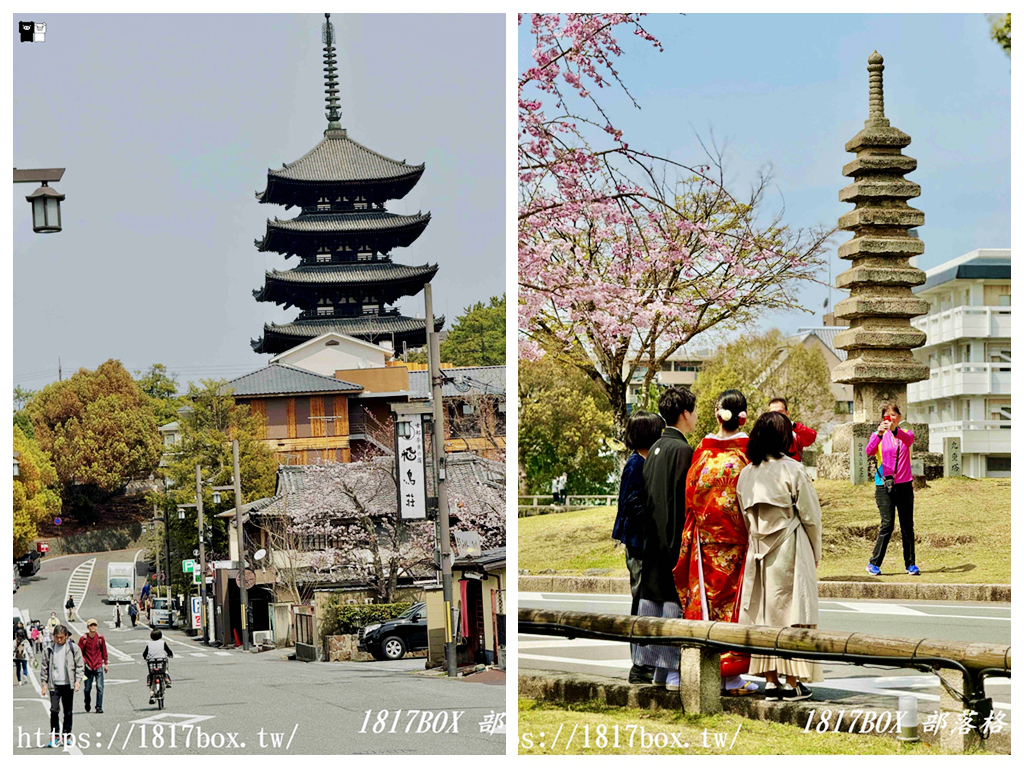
[665, 482]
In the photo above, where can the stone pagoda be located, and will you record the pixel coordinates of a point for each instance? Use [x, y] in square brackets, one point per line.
[880, 337]
[343, 238]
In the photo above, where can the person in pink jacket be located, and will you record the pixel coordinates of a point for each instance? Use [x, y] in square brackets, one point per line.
[894, 487]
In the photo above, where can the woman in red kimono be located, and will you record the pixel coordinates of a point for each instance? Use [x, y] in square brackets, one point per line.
[714, 543]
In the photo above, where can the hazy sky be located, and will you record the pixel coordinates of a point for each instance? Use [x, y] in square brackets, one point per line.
[790, 90]
[167, 125]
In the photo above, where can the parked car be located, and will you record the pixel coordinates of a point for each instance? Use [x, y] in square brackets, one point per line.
[394, 638]
[28, 564]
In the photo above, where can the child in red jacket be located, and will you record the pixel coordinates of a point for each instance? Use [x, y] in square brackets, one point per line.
[803, 436]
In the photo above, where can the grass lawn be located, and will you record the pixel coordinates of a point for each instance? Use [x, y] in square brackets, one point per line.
[962, 528]
[539, 723]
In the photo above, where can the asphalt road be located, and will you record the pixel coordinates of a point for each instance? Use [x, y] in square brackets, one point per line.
[845, 684]
[228, 701]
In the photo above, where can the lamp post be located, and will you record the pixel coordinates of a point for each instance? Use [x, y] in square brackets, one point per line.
[45, 200]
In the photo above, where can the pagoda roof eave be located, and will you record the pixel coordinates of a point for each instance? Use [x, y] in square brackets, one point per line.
[371, 328]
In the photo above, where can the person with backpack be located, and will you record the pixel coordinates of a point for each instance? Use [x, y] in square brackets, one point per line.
[22, 651]
[133, 612]
[70, 608]
[94, 655]
[61, 677]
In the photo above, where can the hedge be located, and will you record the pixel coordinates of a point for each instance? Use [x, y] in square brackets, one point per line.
[341, 619]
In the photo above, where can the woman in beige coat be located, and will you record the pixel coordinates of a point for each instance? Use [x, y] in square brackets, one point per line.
[780, 586]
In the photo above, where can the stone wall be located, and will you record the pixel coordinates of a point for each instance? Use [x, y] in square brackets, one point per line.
[345, 648]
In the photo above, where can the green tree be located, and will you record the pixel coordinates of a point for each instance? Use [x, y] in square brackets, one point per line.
[1000, 30]
[762, 367]
[565, 426]
[34, 497]
[22, 396]
[207, 430]
[478, 336]
[161, 388]
[100, 430]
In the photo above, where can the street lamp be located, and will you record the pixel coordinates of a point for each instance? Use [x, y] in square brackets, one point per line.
[45, 201]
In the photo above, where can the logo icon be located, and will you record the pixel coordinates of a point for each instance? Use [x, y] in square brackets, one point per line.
[32, 31]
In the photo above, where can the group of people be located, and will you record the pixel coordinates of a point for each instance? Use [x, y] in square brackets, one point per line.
[133, 610]
[65, 666]
[731, 531]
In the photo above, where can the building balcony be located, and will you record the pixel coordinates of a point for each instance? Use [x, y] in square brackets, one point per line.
[975, 436]
[965, 323]
[962, 379]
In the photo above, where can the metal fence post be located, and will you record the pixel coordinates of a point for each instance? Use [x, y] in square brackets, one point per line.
[952, 713]
[700, 681]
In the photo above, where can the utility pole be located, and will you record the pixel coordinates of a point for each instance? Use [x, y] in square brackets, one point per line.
[157, 558]
[243, 592]
[444, 534]
[202, 557]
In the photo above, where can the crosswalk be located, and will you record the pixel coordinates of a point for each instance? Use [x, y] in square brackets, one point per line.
[78, 585]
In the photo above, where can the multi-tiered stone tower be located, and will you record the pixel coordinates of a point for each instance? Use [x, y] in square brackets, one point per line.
[880, 338]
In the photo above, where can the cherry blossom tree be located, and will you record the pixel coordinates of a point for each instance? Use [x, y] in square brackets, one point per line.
[620, 266]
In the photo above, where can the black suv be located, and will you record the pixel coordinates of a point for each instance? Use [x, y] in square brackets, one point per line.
[394, 637]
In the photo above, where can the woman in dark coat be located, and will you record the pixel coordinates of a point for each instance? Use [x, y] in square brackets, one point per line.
[665, 482]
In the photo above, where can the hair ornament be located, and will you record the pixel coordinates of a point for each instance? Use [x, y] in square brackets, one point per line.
[724, 414]
[743, 418]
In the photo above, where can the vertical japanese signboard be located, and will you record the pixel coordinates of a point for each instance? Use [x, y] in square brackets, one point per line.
[196, 604]
[412, 475]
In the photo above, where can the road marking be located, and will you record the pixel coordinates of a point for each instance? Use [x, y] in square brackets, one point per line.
[160, 718]
[198, 654]
[616, 663]
[80, 576]
[222, 653]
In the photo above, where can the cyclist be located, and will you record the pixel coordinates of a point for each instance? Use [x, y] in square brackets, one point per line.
[155, 649]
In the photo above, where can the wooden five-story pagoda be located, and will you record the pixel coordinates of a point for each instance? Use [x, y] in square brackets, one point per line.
[343, 238]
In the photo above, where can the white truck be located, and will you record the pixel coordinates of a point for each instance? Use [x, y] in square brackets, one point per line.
[120, 582]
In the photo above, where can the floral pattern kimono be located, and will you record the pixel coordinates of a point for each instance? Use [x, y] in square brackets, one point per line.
[709, 572]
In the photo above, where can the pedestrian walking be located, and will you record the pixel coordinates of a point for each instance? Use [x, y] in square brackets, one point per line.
[61, 677]
[780, 584]
[133, 612]
[52, 622]
[117, 615]
[714, 540]
[665, 485]
[35, 634]
[894, 488]
[69, 606]
[94, 656]
[22, 652]
[803, 436]
[642, 431]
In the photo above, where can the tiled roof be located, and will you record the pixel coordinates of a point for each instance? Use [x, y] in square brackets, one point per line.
[473, 379]
[344, 274]
[361, 221]
[354, 326]
[339, 158]
[486, 559]
[827, 336]
[281, 379]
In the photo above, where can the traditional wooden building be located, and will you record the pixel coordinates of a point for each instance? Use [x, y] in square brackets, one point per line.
[307, 414]
[346, 280]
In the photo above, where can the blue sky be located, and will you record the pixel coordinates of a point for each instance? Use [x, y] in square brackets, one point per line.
[789, 90]
[167, 125]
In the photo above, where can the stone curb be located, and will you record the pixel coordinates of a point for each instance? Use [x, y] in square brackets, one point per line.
[849, 590]
[572, 688]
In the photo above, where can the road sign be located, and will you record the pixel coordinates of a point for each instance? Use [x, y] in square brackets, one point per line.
[250, 578]
[197, 577]
[195, 553]
[197, 622]
[188, 566]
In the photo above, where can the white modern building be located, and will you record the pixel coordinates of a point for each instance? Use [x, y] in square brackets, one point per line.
[967, 394]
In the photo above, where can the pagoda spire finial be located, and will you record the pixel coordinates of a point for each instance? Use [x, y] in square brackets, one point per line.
[331, 76]
[876, 101]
